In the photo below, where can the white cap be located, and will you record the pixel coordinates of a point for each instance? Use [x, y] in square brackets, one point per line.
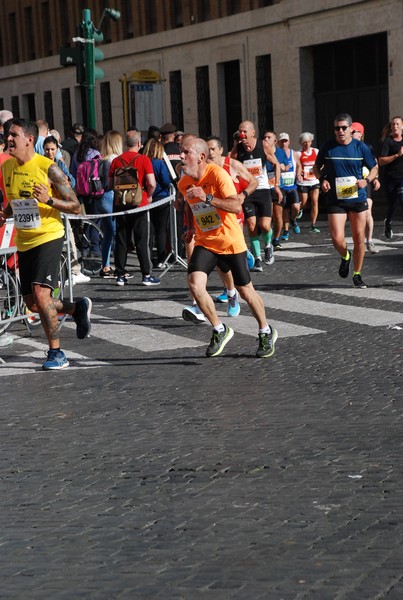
[283, 136]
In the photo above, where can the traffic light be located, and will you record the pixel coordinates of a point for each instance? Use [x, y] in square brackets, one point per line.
[85, 56]
[74, 57]
[98, 55]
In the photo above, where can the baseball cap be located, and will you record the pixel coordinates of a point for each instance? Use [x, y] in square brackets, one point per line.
[283, 136]
[357, 127]
[77, 128]
[168, 128]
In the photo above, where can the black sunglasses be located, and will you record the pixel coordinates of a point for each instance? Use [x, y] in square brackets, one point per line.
[343, 127]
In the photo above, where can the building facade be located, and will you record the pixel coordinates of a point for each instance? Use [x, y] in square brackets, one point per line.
[206, 65]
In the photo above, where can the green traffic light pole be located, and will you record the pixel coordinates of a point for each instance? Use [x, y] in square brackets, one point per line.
[91, 35]
[89, 84]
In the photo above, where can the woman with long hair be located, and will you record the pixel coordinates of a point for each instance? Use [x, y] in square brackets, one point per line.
[50, 148]
[111, 147]
[88, 149]
[159, 216]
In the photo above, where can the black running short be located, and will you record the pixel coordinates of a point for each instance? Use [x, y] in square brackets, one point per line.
[305, 189]
[275, 198]
[291, 197]
[40, 265]
[335, 207]
[258, 204]
[205, 261]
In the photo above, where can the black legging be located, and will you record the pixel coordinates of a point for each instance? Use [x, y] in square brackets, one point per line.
[159, 221]
[139, 225]
[394, 193]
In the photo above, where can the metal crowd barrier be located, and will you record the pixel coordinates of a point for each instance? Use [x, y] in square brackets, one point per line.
[173, 258]
[12, 307]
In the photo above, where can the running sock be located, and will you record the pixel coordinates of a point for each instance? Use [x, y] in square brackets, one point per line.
[219, 328]
[347, 256]
[266, 237]
[255, 243]
[357, 272]
[231, 293]
[266, 329]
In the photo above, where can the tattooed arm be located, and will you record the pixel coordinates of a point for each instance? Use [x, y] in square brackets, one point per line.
[65, 199]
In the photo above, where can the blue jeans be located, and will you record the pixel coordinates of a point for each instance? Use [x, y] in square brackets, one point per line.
[101, 206]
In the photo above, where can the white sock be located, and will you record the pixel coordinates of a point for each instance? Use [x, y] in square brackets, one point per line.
[266, 329]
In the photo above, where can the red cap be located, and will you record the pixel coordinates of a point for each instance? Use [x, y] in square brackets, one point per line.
[357, 127]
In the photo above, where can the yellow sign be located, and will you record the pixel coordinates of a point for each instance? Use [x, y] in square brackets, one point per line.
[145, 76]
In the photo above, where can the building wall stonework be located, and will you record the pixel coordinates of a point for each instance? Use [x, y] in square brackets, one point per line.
[285, 30]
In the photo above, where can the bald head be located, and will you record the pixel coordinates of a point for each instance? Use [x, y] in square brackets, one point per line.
[247, 133]
[200, 146]
[247, 125]
[194, 154]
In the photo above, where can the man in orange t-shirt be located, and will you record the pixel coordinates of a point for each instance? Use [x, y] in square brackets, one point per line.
[212, 205]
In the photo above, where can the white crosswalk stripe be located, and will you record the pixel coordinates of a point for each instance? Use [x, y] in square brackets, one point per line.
[371, 293]
[140, 337]
[244, 324]
[372, 317]
[292, 250]
[336, 303]
[31, 360]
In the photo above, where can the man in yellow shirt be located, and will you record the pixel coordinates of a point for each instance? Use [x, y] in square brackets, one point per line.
[212, 205]
[37, 192]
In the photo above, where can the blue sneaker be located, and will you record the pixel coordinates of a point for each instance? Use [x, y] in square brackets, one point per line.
[222, 298]
[56, 359]
[296, 227]
[81, 317]
[285, 236]
[150, 280]
[233, 308]
[250, 259]
[121, 280]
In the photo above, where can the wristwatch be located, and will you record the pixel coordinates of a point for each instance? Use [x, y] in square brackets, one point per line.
[209, 199]
[50, 202]
[245, 193]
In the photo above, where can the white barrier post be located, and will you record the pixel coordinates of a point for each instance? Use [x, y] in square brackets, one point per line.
[173, 257]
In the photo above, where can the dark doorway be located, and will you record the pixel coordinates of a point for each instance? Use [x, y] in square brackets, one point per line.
[352, 76]
[233, 110]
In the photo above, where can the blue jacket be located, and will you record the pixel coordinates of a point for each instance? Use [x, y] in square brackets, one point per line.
[162, 179]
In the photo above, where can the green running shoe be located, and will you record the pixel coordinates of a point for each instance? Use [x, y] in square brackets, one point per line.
[267, 343]
[219, 340]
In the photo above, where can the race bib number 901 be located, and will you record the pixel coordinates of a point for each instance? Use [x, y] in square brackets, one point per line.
[26, 214]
